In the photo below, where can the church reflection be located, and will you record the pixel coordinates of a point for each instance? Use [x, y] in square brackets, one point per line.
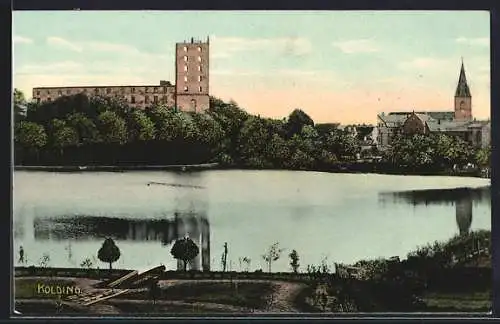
[189, 218]
[462, 198]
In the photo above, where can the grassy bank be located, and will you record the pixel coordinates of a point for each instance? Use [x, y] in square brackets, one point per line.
[342, 168]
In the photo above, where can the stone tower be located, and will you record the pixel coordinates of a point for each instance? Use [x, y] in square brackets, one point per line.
[463, 102]
[192, 76]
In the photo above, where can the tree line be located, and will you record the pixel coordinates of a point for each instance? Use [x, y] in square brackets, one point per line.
[82, 130]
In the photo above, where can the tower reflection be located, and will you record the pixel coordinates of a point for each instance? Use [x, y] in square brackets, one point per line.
[462, 198]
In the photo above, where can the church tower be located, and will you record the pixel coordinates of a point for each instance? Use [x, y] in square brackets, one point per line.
[463, 102]
[192, 76]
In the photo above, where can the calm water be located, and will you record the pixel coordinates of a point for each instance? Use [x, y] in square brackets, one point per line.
[343, 217]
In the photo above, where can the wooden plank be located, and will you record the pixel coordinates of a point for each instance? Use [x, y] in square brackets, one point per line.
[122, 279]
[106, 297]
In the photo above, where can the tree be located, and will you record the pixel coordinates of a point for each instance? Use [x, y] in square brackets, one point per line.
[64, 137]
[30, 135]
[84, 126]
[294, 261]
[273, 254]
[483, 156]
[184, 249]
[296, 120]
[19, 105]
[140, 127]
[112, 128]
[167, 127]
[252, 141]
[109, 252]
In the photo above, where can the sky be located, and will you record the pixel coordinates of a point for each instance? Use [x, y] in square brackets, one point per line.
[337, 66]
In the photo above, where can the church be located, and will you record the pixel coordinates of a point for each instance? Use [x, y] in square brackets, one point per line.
[459, 122]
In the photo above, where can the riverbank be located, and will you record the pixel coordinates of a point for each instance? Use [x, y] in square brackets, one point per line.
[362, 168]
[450, 277]
[116, 168]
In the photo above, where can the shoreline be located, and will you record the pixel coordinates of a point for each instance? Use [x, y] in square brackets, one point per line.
[116, 168]
[217, 166]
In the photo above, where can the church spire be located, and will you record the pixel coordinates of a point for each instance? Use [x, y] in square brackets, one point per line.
[462, 87]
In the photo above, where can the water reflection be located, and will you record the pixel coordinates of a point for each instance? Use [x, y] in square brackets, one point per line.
[188, 218]
[462, 198]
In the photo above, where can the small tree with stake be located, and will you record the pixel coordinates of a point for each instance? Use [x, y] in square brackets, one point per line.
[109, 252]
[273, 254]
[294, 261]
[185, 249]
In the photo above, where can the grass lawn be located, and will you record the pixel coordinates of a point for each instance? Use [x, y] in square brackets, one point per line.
[461, 302]
[148, 308]
[26, 288]
[252, 295]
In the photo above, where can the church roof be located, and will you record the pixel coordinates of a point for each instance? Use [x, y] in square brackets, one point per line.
[462, 87]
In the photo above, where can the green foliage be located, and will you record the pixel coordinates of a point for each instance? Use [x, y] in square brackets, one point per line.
[19, 105]
[108, 252]
[140, 127]
[430, 151]
[84, 126]
[65, 136]
[296, 121]
[483, 156]
[112, 128]
[30, 135]
[184, 249]
[107, 130]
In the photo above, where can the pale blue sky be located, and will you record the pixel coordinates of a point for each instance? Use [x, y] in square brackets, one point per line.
[337, 66]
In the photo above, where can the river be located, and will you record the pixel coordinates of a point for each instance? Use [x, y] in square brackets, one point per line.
[340, 217]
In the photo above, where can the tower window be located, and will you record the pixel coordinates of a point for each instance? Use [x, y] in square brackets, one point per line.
[185, 79]
[185, 68]
[185, 58]
[185, 48]
[155, 99]
[199, 68]
[199, 48]
[199, 78]
[132, 99]
[199, 58]
[185, 89]
[200, 89]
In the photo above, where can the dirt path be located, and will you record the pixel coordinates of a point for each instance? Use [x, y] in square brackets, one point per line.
[281, 301]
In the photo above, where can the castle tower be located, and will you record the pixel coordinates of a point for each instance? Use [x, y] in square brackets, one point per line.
[463, 102]
[192, 76]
